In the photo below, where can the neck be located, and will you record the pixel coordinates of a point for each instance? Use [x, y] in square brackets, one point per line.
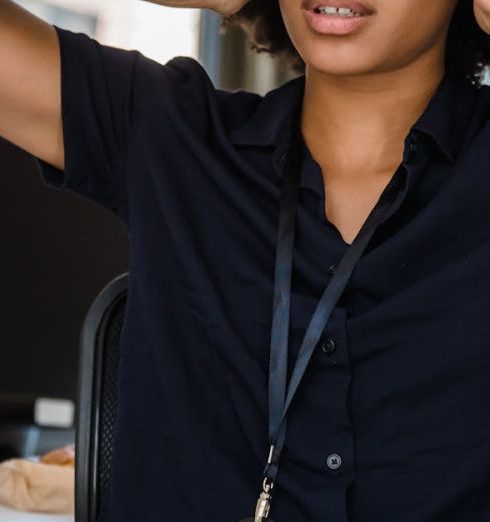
[357, 124]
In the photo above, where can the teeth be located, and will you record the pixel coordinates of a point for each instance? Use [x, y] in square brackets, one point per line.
[339, 11]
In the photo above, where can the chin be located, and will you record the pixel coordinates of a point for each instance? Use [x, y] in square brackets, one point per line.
[326, 65]
[336, 58]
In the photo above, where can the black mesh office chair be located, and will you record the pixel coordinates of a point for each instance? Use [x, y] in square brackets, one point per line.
[97, 399]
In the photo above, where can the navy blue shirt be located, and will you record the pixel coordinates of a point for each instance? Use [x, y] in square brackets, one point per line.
[392, 419]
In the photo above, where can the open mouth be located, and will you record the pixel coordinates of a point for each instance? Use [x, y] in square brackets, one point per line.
[337, 11]
[341, 8]
[336, 17]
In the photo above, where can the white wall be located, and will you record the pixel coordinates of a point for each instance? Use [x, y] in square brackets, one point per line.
[157, 31]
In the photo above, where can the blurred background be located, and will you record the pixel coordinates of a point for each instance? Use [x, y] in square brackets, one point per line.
[62, 250]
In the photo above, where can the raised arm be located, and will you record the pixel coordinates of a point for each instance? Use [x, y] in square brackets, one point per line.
[30, 70]
[30, 107]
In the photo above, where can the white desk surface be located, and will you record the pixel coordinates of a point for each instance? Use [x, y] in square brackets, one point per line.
[9, 515]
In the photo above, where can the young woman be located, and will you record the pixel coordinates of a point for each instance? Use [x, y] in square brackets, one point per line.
[316, 259]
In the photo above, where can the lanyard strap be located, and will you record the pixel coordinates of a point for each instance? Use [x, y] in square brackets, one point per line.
[279, 401]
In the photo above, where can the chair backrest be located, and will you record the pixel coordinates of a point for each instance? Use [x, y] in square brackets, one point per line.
[97, 399]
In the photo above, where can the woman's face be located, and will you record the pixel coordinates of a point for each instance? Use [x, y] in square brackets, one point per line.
[397, 33]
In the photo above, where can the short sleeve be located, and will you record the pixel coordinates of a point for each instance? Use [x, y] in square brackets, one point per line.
[97, 108]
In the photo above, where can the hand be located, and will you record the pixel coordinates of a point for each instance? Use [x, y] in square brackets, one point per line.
[229, 7]
[222, 7]
[482, 14]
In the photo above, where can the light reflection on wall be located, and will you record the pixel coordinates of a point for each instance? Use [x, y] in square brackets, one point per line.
[84, 22]
[164, 32]
[159, 32]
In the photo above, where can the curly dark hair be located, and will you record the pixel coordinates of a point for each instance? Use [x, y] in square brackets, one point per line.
[467, 47]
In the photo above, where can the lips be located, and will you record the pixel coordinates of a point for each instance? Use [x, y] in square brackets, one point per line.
[358, 7]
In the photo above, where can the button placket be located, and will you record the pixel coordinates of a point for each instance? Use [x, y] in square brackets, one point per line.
[330, 352]
[412, 148]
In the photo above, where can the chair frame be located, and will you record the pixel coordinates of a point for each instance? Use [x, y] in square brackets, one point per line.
[90, 384]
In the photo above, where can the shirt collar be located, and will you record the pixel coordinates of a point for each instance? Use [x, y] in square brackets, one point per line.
[448, 113]
[444, 120]
[271, 117]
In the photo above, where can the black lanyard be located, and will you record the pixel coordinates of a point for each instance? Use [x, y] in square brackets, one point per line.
[279, 401]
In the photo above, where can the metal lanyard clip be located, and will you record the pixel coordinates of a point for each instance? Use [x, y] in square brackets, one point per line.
[263, 503]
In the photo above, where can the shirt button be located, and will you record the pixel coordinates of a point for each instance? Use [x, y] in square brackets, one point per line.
[334, 461]
[328, 346]
[413, 148]
[331, 269]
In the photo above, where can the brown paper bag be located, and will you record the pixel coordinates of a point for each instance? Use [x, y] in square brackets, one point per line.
[36, 486]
